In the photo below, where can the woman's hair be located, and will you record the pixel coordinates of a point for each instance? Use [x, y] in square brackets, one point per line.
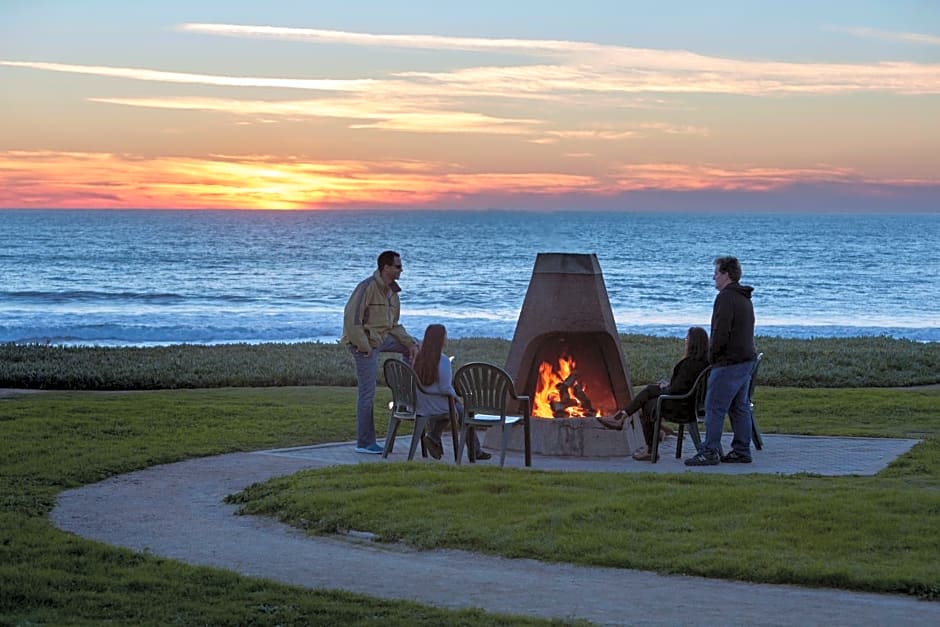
[428, 359]
[697, 347]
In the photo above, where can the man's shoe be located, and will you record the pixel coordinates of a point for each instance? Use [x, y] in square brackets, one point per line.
[372, 449]
[434, 448]
[735, 458]
[483, 455]
[705, 458]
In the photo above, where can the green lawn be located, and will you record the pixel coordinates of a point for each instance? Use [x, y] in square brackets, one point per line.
[867, 533]
[56, 441]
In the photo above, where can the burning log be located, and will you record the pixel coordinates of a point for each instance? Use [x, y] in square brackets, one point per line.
[582, 397]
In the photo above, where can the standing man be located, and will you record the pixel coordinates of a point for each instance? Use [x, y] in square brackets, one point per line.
[370, 327]
[731, 354]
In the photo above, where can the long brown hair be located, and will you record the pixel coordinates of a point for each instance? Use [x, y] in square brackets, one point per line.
[429, 355]
[697, 347]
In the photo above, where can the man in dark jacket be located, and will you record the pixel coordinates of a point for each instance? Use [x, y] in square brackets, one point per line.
[732, 355]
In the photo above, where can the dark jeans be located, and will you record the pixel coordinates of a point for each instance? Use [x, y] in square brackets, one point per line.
[645, 403]
[727, 394]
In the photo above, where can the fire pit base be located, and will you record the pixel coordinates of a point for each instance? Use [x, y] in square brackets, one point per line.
[572, 437]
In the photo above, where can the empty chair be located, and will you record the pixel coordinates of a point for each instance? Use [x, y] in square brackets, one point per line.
[403, 382]
[684, 409]
[490, 401]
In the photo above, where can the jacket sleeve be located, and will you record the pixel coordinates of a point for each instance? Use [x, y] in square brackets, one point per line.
[446, 377]
[353, 328]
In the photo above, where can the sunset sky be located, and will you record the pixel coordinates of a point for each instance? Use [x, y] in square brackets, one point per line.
[666, 105]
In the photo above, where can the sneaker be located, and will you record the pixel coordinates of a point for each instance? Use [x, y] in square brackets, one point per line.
[735, 458]
[372, 449]
[705, 458]
[483, 455]
[433, 448]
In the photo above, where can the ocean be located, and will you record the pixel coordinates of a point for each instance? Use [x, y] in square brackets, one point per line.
[138, 278]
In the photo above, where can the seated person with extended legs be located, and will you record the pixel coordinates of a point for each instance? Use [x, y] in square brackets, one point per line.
[684, 374]
[436, 376]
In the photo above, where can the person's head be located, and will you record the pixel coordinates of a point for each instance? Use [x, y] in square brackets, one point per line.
[389, 265]
[727, 270]
[696, 343]
[429, 355]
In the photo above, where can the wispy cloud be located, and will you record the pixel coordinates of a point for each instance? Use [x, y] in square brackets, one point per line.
[399, 115]
[585, 66]
[141, 74]
[871, 33]
[574, 67]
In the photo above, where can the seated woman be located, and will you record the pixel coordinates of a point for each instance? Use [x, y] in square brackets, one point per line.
[683, 378]
[435, 374]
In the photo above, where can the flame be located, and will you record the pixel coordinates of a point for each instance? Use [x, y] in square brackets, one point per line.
[546, 390]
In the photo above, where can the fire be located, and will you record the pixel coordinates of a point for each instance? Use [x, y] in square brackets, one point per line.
[559, 393]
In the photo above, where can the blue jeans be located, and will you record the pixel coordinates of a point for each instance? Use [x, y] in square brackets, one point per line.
[727, 394]
[367, 367]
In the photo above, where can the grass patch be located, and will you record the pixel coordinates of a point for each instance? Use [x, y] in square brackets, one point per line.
[867, 534]
[863, 533]
[62, 440]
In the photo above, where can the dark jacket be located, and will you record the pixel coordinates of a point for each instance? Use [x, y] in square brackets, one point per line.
[732, 337]
[684, 375]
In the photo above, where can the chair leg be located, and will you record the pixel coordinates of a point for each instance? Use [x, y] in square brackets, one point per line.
[454, 431]
[420, 423]
[463, 442]
[390, 437]
[505, 444]
[527, 438]
[756, 435]
[696, 436]
[679, 436]
[654, 447]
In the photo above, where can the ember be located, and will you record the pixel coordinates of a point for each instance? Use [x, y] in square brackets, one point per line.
[555, 388]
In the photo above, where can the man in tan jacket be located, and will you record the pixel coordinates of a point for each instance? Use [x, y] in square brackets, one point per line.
[370, 327]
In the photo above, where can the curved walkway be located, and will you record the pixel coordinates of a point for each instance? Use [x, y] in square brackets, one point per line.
[176, 511]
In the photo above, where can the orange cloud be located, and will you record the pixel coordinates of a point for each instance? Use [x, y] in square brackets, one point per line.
[106, 180]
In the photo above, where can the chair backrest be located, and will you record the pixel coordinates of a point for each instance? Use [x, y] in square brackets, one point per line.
[753, 383]
[403, 382]
[700, 389]
[484, 388]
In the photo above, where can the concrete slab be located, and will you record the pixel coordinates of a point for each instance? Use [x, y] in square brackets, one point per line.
[782, 455]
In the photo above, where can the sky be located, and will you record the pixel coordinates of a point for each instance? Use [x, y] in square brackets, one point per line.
[526, 105]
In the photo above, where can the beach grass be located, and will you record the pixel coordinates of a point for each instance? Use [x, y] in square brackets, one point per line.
[815, 363]
[59, 440]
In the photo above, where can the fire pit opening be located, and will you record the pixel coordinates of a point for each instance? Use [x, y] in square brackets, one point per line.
[569, 376]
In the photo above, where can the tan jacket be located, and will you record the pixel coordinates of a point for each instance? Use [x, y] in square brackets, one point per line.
[371, 315]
